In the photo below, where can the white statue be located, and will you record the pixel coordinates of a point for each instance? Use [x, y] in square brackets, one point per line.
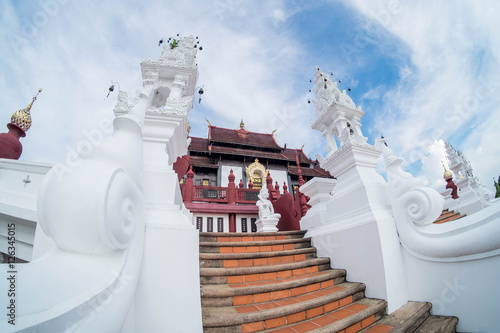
[266, 209]
[268, 219]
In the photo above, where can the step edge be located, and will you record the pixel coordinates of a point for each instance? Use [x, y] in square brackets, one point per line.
[244, 318]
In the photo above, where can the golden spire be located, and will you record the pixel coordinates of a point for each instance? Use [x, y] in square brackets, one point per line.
[188, 127]
[22, 118]
[207, 121]
[242, 125]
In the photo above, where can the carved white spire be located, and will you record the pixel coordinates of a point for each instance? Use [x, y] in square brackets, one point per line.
[337, 115]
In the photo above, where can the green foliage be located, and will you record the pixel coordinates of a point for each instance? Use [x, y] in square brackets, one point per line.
[174, 44]
[497, 187]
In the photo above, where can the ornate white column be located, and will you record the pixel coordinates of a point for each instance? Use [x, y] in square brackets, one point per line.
[358, 216]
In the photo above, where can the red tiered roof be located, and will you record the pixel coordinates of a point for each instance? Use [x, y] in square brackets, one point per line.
[242, 137]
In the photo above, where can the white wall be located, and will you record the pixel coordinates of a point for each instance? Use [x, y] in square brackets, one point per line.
[465, 289]
[279, 176]
[226, 169]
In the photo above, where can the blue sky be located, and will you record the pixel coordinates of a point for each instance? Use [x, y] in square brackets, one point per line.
[422, 71]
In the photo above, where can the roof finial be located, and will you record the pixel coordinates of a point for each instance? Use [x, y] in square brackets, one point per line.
[208, 121]
[188, 127]
[242, 125]
[447, 173]
[22, 118]
[274, 131]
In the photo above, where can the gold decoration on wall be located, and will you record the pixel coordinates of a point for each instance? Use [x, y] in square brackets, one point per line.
[257, 173]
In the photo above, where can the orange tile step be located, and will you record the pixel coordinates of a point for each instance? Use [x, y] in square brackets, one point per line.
[262, 273]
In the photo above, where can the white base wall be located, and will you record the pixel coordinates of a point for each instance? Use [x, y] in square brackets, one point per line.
[465, 289]
[168, 292]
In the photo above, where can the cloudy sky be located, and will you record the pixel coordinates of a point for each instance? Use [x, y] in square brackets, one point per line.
[422, 70]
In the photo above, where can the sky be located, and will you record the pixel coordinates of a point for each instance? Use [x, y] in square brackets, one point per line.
[422, 71]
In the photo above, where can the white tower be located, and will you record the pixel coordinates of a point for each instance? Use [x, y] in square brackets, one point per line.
[170, 266]
[359, 210]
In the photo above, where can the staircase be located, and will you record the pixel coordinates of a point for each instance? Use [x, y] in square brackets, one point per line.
[273, 282]
[448, 216]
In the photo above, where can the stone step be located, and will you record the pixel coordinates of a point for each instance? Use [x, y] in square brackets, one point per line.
[248, 236]
[262, 273]
[438, 324]
[413, 317]
[448, 216]
[227, 260]
[326, 306]
[256, 292]
[351, 318]
[281, 244]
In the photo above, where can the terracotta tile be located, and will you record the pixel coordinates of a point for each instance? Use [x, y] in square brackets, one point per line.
[278, 247]
[242, 300]
[281, 237]
[276, 322]
[267, 238]
[354, 328]
[345, 301]
[305, 298]
[269, 276]
[222, 239]
[331, 306]
[235, 279]
[225, 249]
[260, 262]
[314, 312]
[285, 330]
[264, 297]
[229, 263]
[356, 307]
[300, 257]
[252, 327]
[265, 306]
[305, 327]
[239, 249]
[340, 314]
[252, 277]
[298, 271]
[245, 309]
[323, 320]
[323, 292]
[326, 284]
[245, 262]
[253, 249]
[266, 248]
[280, 294]
[235, 239]
[258, 238]
[246, 239]
[274, 260]
[290, 319]
[312, 269]
[312, 287]
[297, 291]
[287, 259]
[287, 301]
[380, 328]
[368, 321]
[289, 247]
[284, 274]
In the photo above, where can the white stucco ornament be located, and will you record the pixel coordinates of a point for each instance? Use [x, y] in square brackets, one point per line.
[94, 207]
[268, 219]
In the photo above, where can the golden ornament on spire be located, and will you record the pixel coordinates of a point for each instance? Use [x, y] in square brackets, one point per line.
[242, 125]
[447, 173]
[188, 127]
[22, 118]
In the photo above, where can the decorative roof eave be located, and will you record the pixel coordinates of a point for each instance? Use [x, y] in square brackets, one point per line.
[328, 116]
